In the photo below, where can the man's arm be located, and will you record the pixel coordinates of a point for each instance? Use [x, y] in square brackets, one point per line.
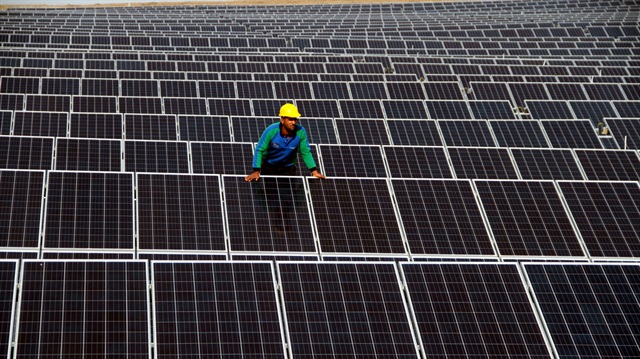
[259, 154]
[307, 156]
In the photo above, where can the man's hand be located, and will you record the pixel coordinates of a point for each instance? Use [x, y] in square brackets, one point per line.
[255, 176]
[317, 174]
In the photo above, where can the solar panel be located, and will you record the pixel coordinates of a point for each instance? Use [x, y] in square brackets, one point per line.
[519, 133]
[17, 152]
[522, 92]
[229, 107]
[406, 91]
[414, 132]
[255, 89]
[627, 109]
[89, 210]
[141, 105]
[150, 127]
[492, 110]
[330, 90]
[249, 129]
[8, 286]
[218, 308]
[546, 164]
[584, 306]
[441, 217]
[599, 92]
[566, 91]
[180, 213]
[6, 117]
[267, 107]
[596, 111]
[527, 218]
[345, 309]
[19, 85]
[292, 90]
[352, 160]
[12, 102]
[176, 88]
[355, 216]
[443, 91]
[204, 128]
[571, 134]
[318, 108]
[221, 158]
[485, 163]
[609, 165]
[185, 106]
[74, 154]
[20, 208]
[367, 90]
[60, 86]
[96, 125]
[596, 208]
[95, 104]
[495, 91]
[77, 308]
[156, 156]
[365, 109]
[271, 215]
[474, 310]
[466, 133]
[404, 109]
[631, 91]
[48, 103]
[217, 89]
[362, 131]
[448, 110]
[417, 162]
[626, 131]
[40, 124]
[549, 110]
[139, 88]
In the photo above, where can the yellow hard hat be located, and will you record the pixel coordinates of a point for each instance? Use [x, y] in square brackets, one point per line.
[289, 110]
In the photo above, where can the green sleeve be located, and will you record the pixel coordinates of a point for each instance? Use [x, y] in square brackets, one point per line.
[305, 151]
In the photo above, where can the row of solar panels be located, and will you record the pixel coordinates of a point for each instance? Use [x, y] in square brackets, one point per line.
[465, 80]
[328, 89]
[45, 108]
[623, 53]
[393, 161]
[376, 32]
[140, 309]
[339, 65]
[63, 211]
[294, 58]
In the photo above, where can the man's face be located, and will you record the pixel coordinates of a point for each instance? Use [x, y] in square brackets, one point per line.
[289, 123]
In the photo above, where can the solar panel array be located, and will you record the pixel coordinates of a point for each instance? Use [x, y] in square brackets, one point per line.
[482, 198]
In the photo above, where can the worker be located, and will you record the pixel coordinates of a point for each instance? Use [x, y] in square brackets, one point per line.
[277, 149]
